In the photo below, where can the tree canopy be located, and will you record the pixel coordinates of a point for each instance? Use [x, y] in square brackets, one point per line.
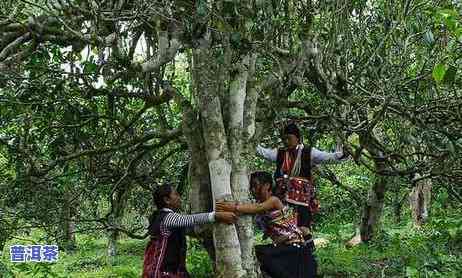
[100, 100]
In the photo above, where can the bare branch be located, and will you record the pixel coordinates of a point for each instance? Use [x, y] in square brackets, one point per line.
[14, 45]
[167, 50]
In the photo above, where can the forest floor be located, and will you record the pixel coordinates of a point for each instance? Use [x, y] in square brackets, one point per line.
[401, 251]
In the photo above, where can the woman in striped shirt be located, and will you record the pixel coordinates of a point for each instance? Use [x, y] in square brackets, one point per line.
[165, 254]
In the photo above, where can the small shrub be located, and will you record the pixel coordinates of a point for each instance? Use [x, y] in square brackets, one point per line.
[198, 261]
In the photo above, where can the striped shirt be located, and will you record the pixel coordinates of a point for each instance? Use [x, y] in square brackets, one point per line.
[175, 220]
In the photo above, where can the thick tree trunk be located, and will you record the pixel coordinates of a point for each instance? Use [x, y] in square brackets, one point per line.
[200, 194]
[420, 200]
[397, 208]
[239, 175]
[119, 204]
[398, 200]
[226, 130]
[112, 237]
[372, 210]
[112, 243]
[245, 228]
[68, 225]
[227, 246]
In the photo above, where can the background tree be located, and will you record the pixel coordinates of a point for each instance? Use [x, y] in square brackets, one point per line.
[101, 100]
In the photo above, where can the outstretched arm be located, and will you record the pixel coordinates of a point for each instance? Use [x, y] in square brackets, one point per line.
[176, 220]
[267, 153]
[250, 208]
[320, 157]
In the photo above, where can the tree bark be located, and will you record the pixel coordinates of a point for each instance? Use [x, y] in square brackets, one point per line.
[114, 219]
[239, 175]
[420, 200]
[227, 246]
[68, 225]
[397, 206]
[200, 194]
[112, 243]
[372, 210]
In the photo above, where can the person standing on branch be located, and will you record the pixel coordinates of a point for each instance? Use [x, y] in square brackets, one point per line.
[165, 254]
[293, 175]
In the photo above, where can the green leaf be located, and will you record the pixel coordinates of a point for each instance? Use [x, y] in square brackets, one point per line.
[452, 232]
[445, 13]
[57, 56]
[202, 10]
[450, 75]
[411, 272]
[451, 24]
[449, 18]
[458, 34]
[89, 67]
[438, 72]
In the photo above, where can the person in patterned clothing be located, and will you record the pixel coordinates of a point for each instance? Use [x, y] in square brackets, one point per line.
[165, 254]
[293, 175]
[289, 256]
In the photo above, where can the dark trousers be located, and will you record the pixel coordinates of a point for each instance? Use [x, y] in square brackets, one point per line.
[287, 261]
[304, 216]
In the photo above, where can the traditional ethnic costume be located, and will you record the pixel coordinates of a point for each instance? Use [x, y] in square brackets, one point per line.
[289, 256]
[294, 182]
[165, 254]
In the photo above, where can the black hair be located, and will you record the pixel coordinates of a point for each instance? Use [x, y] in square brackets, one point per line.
[260, 178]
[160, 193]
[292, 128]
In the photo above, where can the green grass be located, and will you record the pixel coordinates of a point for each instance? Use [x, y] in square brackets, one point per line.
[91, 261]
[400, 251]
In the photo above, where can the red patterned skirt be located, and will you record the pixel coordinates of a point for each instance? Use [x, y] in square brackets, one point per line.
[153, 257]
[298, 191]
